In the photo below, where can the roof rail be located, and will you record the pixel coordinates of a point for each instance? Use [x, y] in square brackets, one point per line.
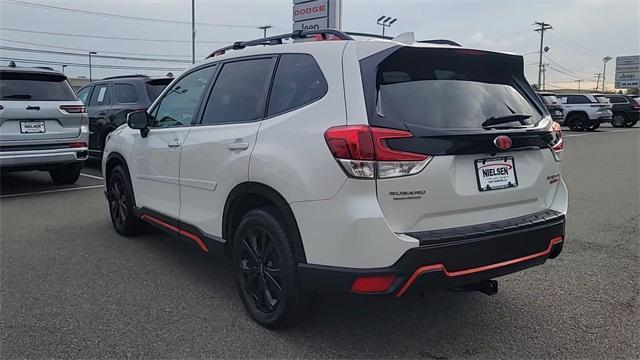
[125, 76]
[277, 40]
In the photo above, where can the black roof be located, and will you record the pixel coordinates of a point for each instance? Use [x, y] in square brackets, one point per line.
[31, 70]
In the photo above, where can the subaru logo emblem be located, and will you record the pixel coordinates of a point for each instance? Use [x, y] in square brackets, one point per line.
[502, 142]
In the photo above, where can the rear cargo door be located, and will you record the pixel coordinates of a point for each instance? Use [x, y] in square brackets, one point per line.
[485, 131]
[31, 107]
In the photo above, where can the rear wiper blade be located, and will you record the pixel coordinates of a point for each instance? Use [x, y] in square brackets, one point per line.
[505, 119]
[17, 96]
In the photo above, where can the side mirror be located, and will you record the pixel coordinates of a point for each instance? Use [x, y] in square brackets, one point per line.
[139, 120]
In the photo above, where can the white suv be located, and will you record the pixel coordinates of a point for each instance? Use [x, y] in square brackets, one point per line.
[585, 111]
[371, 167]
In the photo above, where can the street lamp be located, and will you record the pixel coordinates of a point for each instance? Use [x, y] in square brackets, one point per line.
[604, 71]
[385, 22]
[264, 29]
[90, 74]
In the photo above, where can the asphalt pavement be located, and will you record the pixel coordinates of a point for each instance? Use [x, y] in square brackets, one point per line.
[72, 288]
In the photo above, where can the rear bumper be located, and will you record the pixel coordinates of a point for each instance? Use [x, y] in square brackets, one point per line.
[464, 257]
[40, 158]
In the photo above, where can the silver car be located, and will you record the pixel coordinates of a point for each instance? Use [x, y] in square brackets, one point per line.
[43, 125]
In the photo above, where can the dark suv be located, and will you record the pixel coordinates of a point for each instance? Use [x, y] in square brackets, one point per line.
[552, 103]
[626, 110]
[108, 102]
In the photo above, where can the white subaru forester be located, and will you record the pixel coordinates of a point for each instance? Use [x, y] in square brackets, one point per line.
[371, 166]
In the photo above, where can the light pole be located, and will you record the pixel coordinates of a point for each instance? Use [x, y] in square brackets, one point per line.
[604, 71]
[193, 31]
[90, 74]
[264, 29]
[385, 22]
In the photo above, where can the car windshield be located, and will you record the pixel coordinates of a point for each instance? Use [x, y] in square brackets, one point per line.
[17, 86]
[450, 91]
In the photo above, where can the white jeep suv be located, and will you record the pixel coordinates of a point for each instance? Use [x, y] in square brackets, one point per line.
[374, 167]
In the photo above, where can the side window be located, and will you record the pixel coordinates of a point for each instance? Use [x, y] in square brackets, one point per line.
[83, 94]
[240, 92]
[179, 105]
[100, 96]
[298, 81]
[577, 99]
[125, 93]
[617, 100]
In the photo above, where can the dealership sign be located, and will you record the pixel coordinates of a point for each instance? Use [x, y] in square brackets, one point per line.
[627, 72]
[316, 14]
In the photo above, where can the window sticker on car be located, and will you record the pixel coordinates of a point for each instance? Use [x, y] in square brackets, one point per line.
[103, 90]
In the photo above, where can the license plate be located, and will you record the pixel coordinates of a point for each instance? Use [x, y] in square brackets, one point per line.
[496, 173]
[32, 127]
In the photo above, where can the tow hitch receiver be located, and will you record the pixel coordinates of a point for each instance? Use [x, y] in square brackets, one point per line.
[488, 287]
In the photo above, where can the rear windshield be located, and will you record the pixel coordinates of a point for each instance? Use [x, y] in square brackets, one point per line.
[155, 87]
[550, 99]
[18, 86]
[602, 99]
[451, 90]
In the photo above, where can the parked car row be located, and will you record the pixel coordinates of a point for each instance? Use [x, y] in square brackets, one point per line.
[582, 111]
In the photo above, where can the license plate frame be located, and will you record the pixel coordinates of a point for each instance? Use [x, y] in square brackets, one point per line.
[26, 127]
[497, 181]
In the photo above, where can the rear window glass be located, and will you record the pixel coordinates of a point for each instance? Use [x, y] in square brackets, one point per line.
[155, 87]
[17, 86]
[550, 99]
[450, 90]
[298, 81]
[602, 99]
[125, 93]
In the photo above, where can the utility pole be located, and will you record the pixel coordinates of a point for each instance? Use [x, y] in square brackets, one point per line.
[597, 81]
[544, 76]
[90, 74]
[264, 28]
[578, 81]
[542, 28]
[385, 22]
[604, 71]
[63, 66]
[193, 31]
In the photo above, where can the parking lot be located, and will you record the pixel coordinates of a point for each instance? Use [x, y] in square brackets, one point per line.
[72, 288]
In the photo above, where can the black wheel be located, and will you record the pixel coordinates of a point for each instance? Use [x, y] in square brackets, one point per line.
[65, 175]
[619, 120]
[266, 272]
[577, 122]
[592, 126]
[631, 123]
[120, 198]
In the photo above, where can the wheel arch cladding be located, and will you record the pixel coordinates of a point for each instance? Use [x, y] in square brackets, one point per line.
[114, 159]
[250, 195]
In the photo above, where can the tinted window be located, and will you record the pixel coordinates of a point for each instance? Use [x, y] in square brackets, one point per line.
[83, 94]
[155, 87]
[617, 100]
[125, 93]
[577, 99]
[180, 103]
[239, 93]
[100, 96]
[298, 81]
[447, 90]
[17, 86]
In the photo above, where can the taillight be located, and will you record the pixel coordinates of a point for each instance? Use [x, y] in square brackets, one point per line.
[635, 107]
[363, 152]
[558, 141]
[73, 109]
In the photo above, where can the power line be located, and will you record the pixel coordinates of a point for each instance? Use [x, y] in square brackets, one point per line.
[111, 37]
[120, 67]
[98, 50]
[571, 76]
[20, 49]
[575, 73]
[575, 44]
[128, 17]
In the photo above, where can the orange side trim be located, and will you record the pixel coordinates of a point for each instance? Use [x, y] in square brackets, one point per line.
[440, 267]
[187, 234]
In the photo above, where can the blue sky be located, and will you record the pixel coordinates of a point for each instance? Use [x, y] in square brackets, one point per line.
[584, 30]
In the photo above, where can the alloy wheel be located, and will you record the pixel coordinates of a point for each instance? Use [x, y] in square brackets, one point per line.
[118, 202]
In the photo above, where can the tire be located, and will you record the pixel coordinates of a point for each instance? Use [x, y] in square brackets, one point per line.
[265, 270]
[577, 122]
[592, 126]
[66, 174]
[631, 123]
[121, 203]
[619, 120]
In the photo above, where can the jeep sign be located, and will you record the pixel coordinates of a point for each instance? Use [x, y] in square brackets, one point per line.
[627, 72]
[316, 14]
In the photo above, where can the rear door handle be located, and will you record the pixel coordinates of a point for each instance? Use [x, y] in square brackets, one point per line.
[174, 144]
[238, 146]
[102, 113]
